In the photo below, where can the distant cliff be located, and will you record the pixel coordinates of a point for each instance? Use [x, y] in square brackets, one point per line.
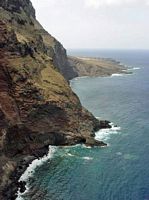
[85, 66]
[37, 106]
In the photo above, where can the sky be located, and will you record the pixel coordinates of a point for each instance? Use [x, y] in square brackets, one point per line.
[90, 24]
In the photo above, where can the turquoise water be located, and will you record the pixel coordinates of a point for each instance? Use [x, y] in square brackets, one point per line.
[120, 171]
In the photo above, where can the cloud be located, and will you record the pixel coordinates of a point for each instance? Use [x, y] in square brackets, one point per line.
[96, 23]
[99, 3]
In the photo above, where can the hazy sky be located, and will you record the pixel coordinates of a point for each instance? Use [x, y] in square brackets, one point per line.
[96, 23]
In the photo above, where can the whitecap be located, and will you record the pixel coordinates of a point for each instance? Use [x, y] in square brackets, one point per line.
[79, 157]
[133, 68]
[136, 68]
[31, 169]
[114, 128]
[87, 158]
[116, 75]
[119, 153]
[71, 155]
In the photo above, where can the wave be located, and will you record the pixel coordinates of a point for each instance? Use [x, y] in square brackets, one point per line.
[87, 158]
[104, 134]
[78, 78]
[31, 169]
[119, 153]
[71, 155]
[117, 75]
[79, 157]
[87, 147]
[136, 68]
[128, 72]
[133, 68]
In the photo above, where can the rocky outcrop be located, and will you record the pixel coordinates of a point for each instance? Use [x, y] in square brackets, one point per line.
[17, 6]
[37, 106]
[83, 66]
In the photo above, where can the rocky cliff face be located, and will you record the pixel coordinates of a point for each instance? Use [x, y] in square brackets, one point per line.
[17, 6]
[37, 106]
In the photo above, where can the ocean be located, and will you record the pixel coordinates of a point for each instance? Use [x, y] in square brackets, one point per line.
[119, 171]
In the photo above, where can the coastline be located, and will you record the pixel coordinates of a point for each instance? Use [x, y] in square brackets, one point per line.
[103, 134]
[23, 162]
[21, 181]
[38, 106]
[30, 171]
[18, 183]
[30, 163]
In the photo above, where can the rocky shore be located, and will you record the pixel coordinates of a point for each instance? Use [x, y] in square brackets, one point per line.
[9, 191]
[37, 106]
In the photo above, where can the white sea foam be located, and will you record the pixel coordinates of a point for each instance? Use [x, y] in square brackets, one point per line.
[136, 68]
[104, 134]
[79, 157]
[31, 169]
[117, 75]
[133, 68]
[77, 78]
[87, 158]
[87, 147]
[71, 155]
[98, 117]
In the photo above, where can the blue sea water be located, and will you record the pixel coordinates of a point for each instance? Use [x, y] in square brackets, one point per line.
[121, 170]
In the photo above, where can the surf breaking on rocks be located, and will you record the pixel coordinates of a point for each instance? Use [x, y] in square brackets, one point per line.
[31, 169]
[104, 134]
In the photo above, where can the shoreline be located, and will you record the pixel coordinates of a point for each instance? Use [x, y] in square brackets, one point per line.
[21, 181]
[19, 185]
[30, 165]
[30, 171]
[11, 191]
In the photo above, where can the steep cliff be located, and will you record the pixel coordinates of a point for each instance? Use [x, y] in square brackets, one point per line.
[37, 105]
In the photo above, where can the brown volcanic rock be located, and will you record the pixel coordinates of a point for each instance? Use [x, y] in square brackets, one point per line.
[37, 106]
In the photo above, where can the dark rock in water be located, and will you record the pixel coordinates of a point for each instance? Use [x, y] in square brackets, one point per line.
[100, 143]
[94, 143]
[21, 186]
[105, 124]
